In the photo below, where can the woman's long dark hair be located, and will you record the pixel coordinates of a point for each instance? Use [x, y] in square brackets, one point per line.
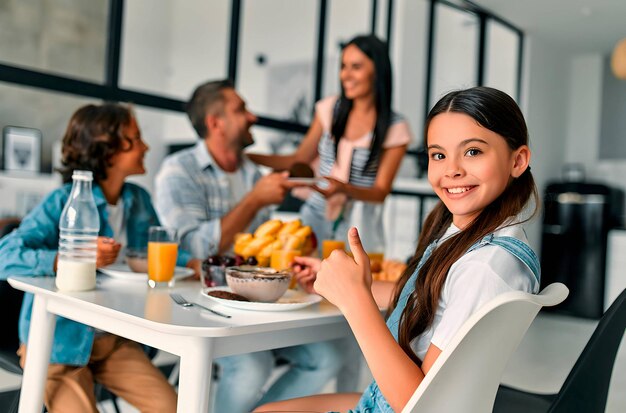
[498, 112]
[376, 50]
[94, 134]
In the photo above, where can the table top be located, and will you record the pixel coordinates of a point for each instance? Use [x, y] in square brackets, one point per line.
[136, 303]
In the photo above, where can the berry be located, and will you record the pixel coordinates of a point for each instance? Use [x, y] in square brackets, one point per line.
[252, 261]
[228, 261]
[239, 260]
[214, 260]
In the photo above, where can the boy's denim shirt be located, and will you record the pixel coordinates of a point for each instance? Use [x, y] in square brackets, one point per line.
[31, 250]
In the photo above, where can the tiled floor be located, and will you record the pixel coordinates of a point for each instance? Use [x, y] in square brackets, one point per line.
[542, 362]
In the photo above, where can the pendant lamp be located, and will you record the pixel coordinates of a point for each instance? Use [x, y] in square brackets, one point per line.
[618, 60]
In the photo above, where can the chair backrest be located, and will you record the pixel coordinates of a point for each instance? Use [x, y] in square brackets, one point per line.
[467, 373]
[10, 304]
[587, 385]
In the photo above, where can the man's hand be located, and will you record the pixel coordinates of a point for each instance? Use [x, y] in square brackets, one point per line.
[270, 189]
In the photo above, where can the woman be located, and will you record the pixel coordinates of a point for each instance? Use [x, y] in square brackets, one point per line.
[106, 140]
[360, 143]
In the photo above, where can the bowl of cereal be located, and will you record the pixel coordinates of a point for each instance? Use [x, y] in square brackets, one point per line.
[262, 284]
[137, 260]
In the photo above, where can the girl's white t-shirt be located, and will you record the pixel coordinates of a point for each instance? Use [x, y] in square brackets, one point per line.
[476, 278]
[115, 215]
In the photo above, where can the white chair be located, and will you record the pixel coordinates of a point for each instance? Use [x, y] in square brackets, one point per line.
[466, 375]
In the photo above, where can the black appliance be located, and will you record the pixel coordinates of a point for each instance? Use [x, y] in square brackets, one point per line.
[577, 218]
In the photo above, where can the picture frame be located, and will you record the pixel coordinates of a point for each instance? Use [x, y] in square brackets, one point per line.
[21, 149]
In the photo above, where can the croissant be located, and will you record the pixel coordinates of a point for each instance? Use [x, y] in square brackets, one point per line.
[255, 245]
[289, 227]
[268, 228]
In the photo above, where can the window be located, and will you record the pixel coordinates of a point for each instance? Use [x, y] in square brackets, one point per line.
[66, 37]
[502, 58]
[170, 47]
[345, 20]
[276, 67]
[456, 51]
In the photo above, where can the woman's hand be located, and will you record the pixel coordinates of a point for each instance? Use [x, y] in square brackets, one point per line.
[333, 187]
[305, 270]
[344, 280]
[196, 265]
[107, 252]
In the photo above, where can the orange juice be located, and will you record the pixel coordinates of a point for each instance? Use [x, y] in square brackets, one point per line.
[329, 245]
[376, 260]
[161, 260]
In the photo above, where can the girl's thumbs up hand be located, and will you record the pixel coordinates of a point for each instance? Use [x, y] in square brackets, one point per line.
[345, 280]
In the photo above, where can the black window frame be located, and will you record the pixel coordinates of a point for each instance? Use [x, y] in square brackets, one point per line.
[110, 89]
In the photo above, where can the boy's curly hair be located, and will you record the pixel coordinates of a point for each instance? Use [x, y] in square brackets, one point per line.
[94, 134]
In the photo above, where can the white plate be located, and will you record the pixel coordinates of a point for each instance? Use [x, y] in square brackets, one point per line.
[291, 300]
[308, 181]
[122, 271]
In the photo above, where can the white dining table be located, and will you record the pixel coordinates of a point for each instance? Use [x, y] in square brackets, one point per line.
[133, 310]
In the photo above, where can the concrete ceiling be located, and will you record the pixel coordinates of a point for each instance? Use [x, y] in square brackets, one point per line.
[579, 26]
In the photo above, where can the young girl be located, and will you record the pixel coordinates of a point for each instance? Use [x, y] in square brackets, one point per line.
[106, 140]
[360, 143]
[472, 249]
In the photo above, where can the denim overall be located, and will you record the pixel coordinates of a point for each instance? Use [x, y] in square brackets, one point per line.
[373, 400]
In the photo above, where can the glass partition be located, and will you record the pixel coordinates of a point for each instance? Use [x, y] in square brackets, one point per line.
[169, 47]
[502, 58]
[345, 19]
[455, 61]
[64, 37]
[277, 55]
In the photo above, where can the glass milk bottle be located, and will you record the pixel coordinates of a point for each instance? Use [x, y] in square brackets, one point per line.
[78, 240]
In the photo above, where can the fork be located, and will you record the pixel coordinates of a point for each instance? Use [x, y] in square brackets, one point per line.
[180, 300]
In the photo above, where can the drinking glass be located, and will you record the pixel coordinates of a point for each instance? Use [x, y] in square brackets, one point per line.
[162, 252]
[329, 245]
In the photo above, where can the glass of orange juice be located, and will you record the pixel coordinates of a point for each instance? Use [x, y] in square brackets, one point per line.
[282, 260]
[162, 252]
[329, 245]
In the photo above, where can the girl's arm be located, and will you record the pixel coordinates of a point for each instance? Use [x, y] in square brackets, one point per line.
[306, 152]
[390, 160]
[346, 282]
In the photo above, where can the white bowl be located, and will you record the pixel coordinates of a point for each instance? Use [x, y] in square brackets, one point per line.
[137, 260]
[262, 284]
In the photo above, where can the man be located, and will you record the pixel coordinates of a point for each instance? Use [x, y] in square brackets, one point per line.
[209, 193]
[212, 191]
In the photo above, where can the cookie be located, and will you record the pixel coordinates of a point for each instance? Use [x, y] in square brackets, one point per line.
[227, 295]
[300, 170]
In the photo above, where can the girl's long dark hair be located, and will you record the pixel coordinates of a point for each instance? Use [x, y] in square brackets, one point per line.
[499, 113]
[94, 134]
[376, 50]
